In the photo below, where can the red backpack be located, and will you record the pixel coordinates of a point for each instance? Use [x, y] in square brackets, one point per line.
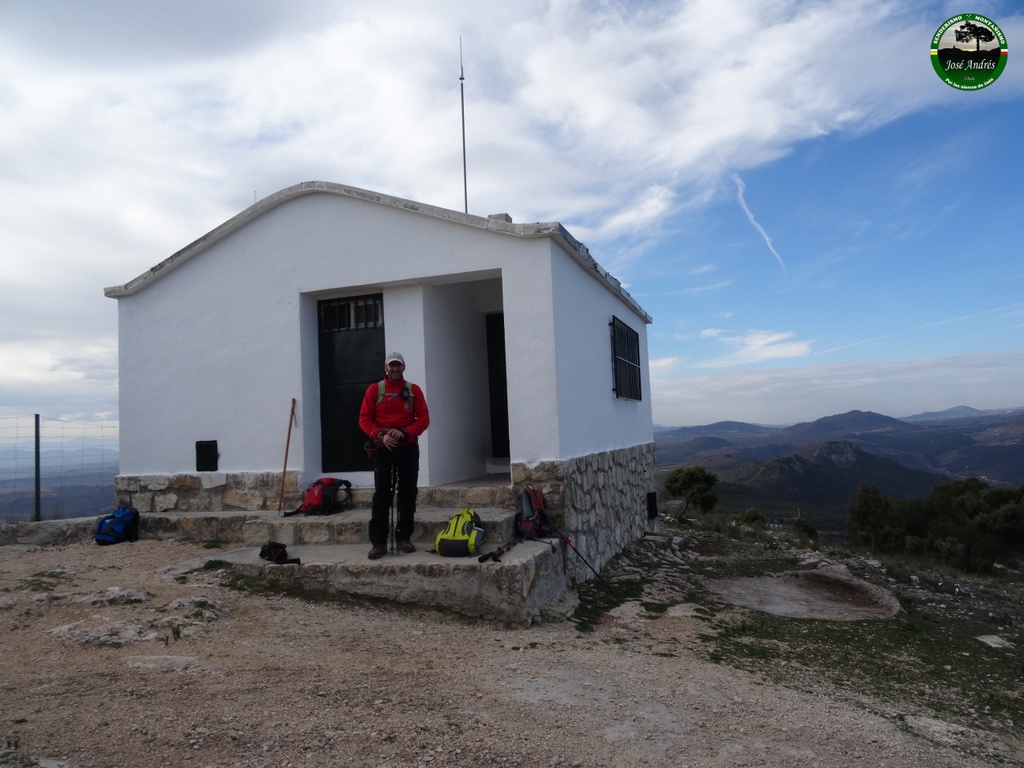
[531, 517]
[324, 497]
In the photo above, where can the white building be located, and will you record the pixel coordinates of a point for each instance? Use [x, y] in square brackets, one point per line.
[532, 358]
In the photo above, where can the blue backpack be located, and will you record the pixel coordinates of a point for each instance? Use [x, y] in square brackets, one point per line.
[121, 525]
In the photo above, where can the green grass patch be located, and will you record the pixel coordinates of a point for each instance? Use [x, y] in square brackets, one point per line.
[44, 581]
[596, 600]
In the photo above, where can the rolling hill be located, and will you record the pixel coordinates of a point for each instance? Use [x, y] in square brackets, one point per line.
[814, 469]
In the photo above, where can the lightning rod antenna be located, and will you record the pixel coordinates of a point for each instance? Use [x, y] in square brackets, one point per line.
[462, 97]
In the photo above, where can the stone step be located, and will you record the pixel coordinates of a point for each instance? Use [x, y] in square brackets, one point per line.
[352, 527]
[527, 583]
[497, 492]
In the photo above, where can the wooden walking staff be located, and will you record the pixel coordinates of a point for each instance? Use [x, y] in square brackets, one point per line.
[284, 472]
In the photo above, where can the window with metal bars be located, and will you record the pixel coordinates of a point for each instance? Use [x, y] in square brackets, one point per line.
[352, 314]
[625, 360]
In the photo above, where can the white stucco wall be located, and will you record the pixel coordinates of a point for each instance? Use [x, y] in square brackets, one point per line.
[563, 344]
[215, 347]
[207, 353]
[591, 418]
[530, 350]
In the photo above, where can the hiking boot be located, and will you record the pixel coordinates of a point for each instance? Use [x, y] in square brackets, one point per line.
[378, 551]
[406, 546]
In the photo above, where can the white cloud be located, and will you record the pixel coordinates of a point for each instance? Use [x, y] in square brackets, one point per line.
[663, 364]
[755, 347]
[645, 212]
[59, 376]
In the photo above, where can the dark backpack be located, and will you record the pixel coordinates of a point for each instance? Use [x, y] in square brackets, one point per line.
[324, 497]
[121, 525]
[276, 552]
[531, 519]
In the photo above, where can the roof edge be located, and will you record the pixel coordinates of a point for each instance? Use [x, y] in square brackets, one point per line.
[554, 230]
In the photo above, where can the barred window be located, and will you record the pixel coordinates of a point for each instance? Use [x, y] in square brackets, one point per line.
[625, 360]
[352, 314]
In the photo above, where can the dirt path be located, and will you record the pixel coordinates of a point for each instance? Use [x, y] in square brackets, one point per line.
[111, 657]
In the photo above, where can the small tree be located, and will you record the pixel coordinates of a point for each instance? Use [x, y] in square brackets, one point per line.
[869, 514]
[753, 518]
[805, 531]
[970, 31]
[697, 487]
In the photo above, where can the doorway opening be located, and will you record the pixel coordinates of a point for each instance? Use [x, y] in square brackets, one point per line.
[351, 350]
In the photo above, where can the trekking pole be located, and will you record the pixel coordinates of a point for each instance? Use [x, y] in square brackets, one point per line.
[496, 554]
[394, 488]
[284, 472]
[565, 538]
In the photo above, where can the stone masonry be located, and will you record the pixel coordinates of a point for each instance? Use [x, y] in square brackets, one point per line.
[260, 491]
[599, 501]
[207, 491]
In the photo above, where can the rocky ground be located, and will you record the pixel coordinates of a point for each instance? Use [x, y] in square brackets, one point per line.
[126, 656]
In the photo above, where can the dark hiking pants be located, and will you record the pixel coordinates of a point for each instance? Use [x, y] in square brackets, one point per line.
[405, 459]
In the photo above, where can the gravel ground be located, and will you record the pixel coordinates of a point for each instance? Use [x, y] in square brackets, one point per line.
[113, 657]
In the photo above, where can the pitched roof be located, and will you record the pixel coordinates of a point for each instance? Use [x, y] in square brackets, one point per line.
[498, 223]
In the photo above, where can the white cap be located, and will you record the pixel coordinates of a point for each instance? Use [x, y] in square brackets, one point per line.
[394, 357]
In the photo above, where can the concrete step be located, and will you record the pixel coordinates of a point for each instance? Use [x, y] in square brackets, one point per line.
[528, 583]
[484, 492]
[352, 527]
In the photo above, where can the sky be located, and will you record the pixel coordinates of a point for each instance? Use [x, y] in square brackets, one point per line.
[815, 221]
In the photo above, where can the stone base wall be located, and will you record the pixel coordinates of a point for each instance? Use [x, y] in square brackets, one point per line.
[599, 501]
[260, 491]
[208, 491]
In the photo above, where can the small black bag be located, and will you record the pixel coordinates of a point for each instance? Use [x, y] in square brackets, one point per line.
[277, 553]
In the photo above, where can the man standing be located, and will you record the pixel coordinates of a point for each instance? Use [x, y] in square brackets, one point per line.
[394, 414]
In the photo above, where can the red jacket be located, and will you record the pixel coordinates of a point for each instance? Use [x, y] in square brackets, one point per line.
[394, 411]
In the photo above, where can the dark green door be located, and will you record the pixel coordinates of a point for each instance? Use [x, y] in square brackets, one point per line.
[497, 384]
[352, 353]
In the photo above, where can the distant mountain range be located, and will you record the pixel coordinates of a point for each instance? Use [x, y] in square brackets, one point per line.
[74, 482]
[813, 469]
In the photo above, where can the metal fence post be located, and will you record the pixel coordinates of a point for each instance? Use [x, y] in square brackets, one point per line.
[39, 505]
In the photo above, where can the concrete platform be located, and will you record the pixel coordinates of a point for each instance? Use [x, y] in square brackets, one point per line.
[528, 584]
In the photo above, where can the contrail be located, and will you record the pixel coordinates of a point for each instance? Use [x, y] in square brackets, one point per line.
[740, 187]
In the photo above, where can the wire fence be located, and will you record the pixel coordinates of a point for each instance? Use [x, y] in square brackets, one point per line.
[53, 469]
